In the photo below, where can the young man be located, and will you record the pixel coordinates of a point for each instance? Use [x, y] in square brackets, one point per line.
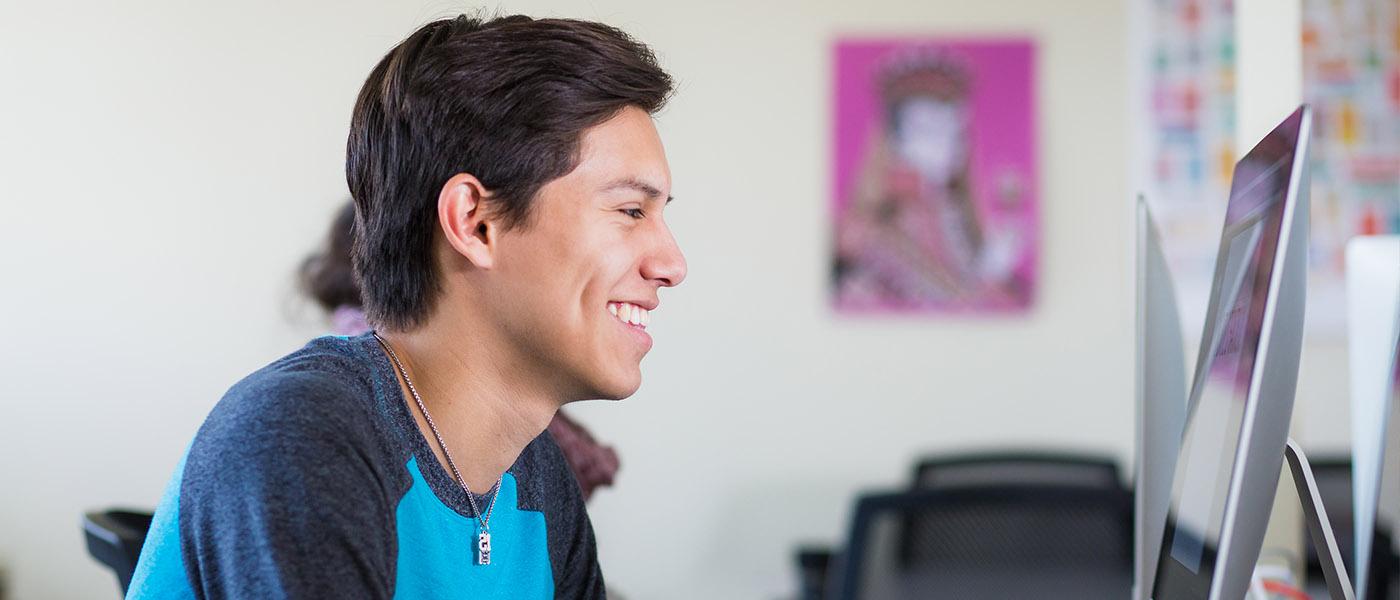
[509, 187]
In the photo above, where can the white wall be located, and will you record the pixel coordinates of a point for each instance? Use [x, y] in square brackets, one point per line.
[165, 165]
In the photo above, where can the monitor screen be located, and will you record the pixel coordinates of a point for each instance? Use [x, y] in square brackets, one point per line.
[1225, 368]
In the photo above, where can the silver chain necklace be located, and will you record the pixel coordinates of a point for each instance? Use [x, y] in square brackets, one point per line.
[483, 539]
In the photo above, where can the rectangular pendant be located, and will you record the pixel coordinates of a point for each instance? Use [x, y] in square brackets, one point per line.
[483, 549]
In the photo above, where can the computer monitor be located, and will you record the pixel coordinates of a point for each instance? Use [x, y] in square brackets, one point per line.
[1246, 372]
[1160, 396]
[1373, 332]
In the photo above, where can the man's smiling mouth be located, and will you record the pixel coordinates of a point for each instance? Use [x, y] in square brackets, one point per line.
[630, 314]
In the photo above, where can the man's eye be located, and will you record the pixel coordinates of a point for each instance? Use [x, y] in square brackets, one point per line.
[635, 213]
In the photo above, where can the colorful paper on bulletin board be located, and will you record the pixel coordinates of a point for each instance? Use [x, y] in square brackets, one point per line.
[1193, 100]
[935, 202]
[1191, 74]
[1351, 77]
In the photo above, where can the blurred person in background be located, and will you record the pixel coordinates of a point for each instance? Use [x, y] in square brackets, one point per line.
[328, 278]
[509, 245]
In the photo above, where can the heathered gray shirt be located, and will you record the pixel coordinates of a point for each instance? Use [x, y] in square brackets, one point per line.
[311, 479]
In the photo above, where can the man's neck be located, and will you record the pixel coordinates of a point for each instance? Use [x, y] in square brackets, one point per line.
[480, 396]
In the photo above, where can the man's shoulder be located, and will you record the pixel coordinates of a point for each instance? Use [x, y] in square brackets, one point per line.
[290, 473]
[323, 389]
[327, 369]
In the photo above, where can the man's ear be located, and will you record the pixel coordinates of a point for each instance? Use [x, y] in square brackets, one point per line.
[465, 222]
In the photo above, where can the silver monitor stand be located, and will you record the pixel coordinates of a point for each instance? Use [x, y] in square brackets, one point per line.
[1319, 528]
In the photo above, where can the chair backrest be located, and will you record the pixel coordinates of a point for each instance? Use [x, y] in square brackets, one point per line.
[813, 569]
[1016, 467]
[994, 541]
[114, 538]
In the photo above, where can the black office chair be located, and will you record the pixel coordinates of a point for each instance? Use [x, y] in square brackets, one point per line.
[1023, 473]
[1019, 467]
[990, 542]
[114, 538]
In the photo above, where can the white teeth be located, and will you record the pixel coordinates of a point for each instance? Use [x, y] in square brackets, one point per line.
[630, 313]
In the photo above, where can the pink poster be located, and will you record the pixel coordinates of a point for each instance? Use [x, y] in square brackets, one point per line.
[935, 192]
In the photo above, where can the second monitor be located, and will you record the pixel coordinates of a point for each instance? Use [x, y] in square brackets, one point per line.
[1246, 372]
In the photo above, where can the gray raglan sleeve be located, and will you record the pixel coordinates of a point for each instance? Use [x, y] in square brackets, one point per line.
[283, 497]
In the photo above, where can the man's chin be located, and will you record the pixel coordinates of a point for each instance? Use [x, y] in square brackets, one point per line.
[621, 394]
[620, 389]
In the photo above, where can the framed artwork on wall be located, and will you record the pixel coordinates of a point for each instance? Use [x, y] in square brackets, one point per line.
[935, 203]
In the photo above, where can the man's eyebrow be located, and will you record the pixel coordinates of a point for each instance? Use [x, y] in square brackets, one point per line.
[647, 189]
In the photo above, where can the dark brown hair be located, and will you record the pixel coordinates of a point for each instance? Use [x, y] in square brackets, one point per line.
[506, 100]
